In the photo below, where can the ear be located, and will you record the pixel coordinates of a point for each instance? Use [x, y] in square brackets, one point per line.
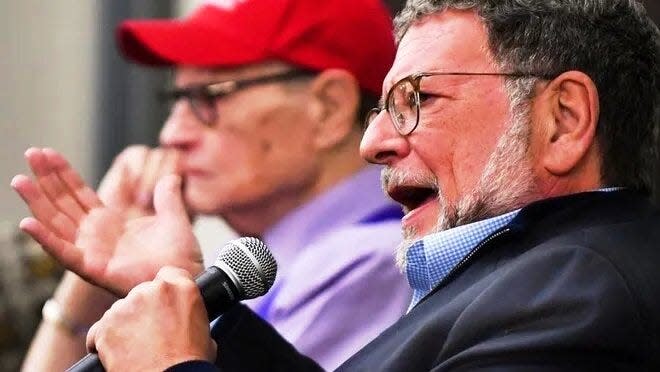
[337, 96]
[569, 107]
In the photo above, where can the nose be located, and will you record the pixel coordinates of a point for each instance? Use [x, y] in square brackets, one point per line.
[381, 143]
[181, 129]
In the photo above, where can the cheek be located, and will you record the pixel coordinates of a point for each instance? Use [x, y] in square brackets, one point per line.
[266, 146]
[459, 144]
[275, 152]
[247, 140]
[282, 154]
[434, 148]
[485, 122]
[284, 133]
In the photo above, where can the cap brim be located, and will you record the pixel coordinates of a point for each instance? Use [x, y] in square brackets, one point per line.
[175, 42]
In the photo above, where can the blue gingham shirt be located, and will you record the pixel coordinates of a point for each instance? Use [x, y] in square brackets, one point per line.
[430, 259]
[433, 257]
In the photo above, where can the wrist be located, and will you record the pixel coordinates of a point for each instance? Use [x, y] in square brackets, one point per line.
[81, 302]
[53, 313]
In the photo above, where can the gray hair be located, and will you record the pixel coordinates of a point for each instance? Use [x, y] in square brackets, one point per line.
[613, 41]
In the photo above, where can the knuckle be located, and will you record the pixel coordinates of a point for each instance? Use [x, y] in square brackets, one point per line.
[176, 279]
[189, 287]
[117, 307]
[160, 287]
[138, 295]
[171, 272]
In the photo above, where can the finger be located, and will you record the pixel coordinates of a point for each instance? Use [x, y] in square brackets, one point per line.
[67, 254]
[118, 186]
[172, 279]
[90, 340]
[43, 209]
[170, 163]
[84, 195]
[149, 178]
[173, 274]
[168, 200]
[52, 185]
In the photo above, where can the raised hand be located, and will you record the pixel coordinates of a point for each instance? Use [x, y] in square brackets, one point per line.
[129, 183]
[105, 245]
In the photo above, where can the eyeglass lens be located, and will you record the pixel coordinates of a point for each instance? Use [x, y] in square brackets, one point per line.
[203, 107]
[403, 106]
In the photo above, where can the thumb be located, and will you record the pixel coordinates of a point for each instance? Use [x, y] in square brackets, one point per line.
[168, 200]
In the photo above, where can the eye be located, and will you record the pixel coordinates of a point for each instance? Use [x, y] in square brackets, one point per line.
[423, 97]
[410, 99]
[208, 98]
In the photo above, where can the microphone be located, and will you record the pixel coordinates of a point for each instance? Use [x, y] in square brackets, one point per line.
[244, 269]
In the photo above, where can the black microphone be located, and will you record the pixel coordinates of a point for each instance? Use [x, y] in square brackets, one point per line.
[244, 269]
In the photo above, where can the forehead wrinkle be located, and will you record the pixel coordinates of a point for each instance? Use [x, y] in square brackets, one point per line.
[423, 46]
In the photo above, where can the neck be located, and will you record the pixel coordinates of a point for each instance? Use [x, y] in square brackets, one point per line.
[253, 220]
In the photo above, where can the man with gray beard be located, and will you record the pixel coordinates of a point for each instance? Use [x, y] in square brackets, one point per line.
[506, 178]
[519, 138]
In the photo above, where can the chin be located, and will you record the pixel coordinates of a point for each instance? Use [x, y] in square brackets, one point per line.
[197, 204]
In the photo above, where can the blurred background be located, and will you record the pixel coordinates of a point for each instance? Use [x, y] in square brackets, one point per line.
[66, 87]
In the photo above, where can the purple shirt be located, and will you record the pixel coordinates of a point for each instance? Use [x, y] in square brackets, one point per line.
[337, 286]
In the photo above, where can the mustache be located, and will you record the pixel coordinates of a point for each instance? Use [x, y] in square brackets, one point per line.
[392, 177]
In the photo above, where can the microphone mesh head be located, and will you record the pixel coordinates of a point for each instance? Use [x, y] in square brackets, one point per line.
[252, 263]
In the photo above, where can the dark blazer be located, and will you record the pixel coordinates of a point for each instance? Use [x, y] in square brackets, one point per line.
[572, 284]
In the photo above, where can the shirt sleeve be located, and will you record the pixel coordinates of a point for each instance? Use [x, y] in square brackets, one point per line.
[247, 343]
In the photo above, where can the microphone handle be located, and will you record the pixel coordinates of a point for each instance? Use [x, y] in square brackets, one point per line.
[90, 363]
[218, 292]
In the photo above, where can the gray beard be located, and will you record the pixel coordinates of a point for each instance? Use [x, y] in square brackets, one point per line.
[506, 183]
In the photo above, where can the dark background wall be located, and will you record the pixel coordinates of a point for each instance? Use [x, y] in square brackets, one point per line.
[128, 107]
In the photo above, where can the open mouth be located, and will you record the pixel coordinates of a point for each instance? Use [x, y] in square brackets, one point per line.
[412, 197]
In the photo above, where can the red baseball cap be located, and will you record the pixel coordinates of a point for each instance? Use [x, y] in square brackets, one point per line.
[354, 35]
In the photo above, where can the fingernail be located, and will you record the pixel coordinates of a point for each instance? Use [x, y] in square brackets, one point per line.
[15, 180]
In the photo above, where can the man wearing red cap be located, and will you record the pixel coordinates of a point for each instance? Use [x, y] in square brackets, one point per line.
[264, 132]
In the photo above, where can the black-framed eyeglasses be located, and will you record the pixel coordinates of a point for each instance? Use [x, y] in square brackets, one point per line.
[402, 101]
[202, 97]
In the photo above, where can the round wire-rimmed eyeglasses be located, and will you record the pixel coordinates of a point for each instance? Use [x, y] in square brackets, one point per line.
[402, 101]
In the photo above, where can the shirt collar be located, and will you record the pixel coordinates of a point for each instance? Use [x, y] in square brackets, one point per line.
[430, 259]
